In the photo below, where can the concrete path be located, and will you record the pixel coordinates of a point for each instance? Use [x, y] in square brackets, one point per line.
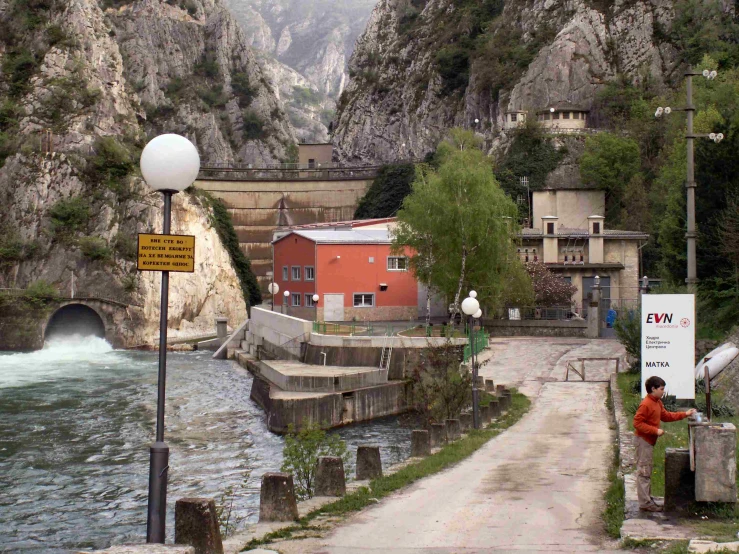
[537, 487]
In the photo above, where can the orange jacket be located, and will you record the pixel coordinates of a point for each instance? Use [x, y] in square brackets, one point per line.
[646, 420]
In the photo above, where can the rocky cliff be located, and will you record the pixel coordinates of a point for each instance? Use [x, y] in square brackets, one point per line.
[307, 44]
[82, 86]
[423, 66]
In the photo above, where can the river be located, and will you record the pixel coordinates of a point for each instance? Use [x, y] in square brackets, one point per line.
[76, 421]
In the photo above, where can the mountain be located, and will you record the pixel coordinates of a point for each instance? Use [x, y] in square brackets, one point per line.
[314, 39]
[83, 85]
[424, 66]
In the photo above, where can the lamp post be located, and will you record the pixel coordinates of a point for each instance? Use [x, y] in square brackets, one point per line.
[273, 289]
[286, 294]
[470, 306]
[690, 235]
[169, 163]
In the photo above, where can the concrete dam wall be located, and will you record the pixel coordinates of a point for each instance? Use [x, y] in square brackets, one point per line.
[259, 207]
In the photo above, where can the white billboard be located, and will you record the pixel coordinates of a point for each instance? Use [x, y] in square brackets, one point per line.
[668, 342]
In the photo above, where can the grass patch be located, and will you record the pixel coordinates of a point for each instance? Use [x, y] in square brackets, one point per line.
[613, 514]
[448, 456]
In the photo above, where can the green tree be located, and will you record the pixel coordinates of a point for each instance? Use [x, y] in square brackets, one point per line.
[387, 192]
[609, 163]
[458, 226]
[628, 331]
[301, 452]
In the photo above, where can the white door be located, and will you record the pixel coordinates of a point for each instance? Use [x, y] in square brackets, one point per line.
[333, 307]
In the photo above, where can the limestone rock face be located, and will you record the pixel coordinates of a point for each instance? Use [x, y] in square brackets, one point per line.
[101, 88]
[397, 104]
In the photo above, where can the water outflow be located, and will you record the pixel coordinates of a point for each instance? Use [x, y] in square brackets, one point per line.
[75, 319]
[76, 422]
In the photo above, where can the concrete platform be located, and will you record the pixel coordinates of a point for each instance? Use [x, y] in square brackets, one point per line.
[292, 376]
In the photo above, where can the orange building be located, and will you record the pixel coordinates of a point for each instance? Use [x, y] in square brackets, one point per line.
[352, 270]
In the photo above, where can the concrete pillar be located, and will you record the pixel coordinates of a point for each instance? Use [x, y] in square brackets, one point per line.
[480, 382]
[369, 465]
[715, 461]
[222, 328]
[679, 480]
[277, 498]
[489, 385]
[420, 443]
[593, 330]
[196, 524]
[330, 479]
[499, 389]
[494, 407]
[453, 429]
[465, 422]
[438, 434]
[485, 415]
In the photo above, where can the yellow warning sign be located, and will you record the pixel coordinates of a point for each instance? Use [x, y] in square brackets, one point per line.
[166, 253]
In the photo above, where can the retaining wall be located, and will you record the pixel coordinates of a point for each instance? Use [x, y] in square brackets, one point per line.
[536, 328]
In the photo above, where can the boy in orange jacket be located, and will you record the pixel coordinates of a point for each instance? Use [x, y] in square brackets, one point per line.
[646, 428]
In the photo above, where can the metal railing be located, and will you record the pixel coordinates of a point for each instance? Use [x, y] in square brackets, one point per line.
[79, 295]
[479, 340]
[528, 313]
[286, 173]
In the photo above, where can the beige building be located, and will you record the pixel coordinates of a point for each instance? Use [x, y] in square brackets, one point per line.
[515, 118]
[313, 155]
[564, 117]
[578, 246]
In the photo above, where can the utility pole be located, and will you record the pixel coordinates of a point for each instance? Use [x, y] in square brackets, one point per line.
[692, 280]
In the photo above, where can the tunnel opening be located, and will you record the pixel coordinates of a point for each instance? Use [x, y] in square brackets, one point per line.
[75, 319]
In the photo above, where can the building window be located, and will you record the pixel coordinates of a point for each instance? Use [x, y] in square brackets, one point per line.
[310, 273]
[309, 301]
[555, 115]
[311, 163]
[596, 227]
[284, 273]
[364, 300]
[295, 296]
[566, 115]
[550, 228]
[546, 117]
[513, 117]
[397, 263]
[371, 259]
[296, 273]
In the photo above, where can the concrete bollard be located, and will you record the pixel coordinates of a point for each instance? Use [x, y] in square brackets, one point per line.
[499, 389]
[369, 465]
[480, 382]
[330, 479]
[489, 385]
[485, 415]
[494, 407]
[196, 524]
[438, 434]
[453, 431]
[679, 480]
[277, 498]
[465, 421]
[420, 443]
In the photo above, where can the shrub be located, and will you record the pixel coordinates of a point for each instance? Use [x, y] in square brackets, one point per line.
[628, 331]
[301, 452]
[130, 283]
[254, 128]
[41, 290]
[95, 249]
[126, 246]
[69, 215]
[18, 67]
[213, 96]
[242, 89]
[441, 388]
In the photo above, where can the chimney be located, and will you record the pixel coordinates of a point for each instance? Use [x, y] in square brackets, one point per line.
[595, 240]
[549, 232]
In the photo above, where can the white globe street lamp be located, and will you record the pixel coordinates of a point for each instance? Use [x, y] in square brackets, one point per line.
[477, 314]
[286, 294]
[273, 289]
[470, 306]
[315, 298]
[169, 164]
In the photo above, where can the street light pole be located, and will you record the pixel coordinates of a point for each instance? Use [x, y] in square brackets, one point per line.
[470, 306]
[169, 164]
